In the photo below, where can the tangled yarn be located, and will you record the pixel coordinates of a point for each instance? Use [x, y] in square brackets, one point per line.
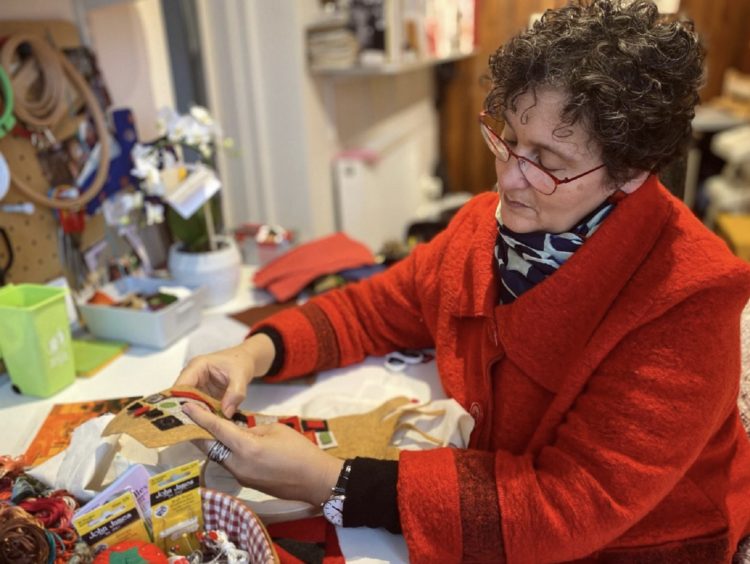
[23, 540]
[35, 522]
[10, 467]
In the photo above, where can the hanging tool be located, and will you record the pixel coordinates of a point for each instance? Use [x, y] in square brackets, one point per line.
[7, 119]
[9, 251]
[42, 113]
[25, 208]
[72, 224]
[4, 177]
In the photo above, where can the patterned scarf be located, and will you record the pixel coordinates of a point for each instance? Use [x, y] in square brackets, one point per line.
[523, 260]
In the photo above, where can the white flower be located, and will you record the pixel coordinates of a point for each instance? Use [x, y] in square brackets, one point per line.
[154, 213]
[205, 150]
[154, 185]
[202, 116]
[146, 164]
[196, 130]
[166, 119]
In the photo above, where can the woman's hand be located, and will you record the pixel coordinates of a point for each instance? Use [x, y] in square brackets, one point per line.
[225, 374]
[274, 459]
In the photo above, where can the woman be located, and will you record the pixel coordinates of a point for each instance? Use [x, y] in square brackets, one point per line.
[582, 315]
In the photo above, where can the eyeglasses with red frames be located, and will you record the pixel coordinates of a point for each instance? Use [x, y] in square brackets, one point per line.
[540, 179]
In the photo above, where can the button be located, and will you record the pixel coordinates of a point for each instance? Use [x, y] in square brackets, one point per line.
[476, 411]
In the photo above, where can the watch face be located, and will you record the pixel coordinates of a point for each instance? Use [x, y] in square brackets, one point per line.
[333, 510]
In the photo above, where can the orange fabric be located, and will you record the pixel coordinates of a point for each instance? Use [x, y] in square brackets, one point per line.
[288, 275]
[604, 397]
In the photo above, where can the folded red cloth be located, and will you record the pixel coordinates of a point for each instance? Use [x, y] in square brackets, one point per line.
[288, 275]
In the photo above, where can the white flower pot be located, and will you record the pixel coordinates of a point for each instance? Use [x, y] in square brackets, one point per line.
[217, 271]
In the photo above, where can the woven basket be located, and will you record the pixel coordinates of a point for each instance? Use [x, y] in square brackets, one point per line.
[243, 527]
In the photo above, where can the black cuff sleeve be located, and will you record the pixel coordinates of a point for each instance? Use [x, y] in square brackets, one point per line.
[278, 344]
[371, 495]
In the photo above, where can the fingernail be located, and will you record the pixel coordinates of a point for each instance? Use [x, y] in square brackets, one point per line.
[187, 408]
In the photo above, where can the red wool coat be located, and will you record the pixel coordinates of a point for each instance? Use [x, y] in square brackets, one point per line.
[605, 397]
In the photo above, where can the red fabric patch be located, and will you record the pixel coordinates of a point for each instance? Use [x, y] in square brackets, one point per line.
[310, 435]
[292, 421]
[315, 424]
[192, 396]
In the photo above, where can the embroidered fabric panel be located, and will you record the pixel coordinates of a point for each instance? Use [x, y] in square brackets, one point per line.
[711, 549]
[483, 530]
[328, 353]
[158, 420]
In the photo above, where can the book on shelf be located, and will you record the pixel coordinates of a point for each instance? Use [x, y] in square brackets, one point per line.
[376, 33]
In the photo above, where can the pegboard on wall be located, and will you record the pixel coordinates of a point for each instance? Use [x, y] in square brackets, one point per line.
[35, 237]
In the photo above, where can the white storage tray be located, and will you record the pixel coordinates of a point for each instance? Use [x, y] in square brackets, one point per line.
[155, 329]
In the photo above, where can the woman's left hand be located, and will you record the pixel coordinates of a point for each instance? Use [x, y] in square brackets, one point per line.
[274, 459]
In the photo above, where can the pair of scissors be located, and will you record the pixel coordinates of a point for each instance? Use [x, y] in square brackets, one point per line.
[9, 251]
[397, 361]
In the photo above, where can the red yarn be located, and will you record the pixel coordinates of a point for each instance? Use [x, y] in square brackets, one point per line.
[11, 466]
[55, 512]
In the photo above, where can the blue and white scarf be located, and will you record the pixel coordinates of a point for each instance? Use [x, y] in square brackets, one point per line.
[525, 259]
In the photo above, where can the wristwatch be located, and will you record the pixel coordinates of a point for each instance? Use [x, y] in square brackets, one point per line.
[333, 507]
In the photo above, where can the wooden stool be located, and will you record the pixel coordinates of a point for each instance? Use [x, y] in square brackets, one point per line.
[735, 230]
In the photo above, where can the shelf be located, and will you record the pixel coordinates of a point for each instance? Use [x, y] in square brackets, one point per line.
[387, 68]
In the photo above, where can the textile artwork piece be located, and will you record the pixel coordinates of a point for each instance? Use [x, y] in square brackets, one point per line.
[157, 421]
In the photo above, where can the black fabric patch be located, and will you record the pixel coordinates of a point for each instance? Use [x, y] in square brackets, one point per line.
[240, 418]
[154, 413]
[166, 423]
[134, 406]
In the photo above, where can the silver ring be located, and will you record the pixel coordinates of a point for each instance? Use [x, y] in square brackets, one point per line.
[219, 452]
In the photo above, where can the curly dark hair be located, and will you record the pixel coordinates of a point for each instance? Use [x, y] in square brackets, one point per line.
[632, 78]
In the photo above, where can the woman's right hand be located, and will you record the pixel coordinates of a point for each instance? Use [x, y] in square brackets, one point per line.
[225, 374]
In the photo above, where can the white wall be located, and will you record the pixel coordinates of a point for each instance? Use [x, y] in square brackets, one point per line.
[290, 125]
[130, 43]
[258, 89]
[393, 117]
[37, 10]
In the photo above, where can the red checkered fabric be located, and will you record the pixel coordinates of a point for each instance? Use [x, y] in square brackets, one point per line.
[243, 527]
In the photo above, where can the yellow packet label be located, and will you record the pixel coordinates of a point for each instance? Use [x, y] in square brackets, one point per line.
[176, 509]
[116, 521]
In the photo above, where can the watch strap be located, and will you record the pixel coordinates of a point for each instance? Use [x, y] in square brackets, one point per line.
[343, 481]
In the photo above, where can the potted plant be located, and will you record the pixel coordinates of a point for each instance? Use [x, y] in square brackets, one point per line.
[178, 169]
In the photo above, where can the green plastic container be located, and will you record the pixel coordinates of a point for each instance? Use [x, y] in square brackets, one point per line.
[35, 338]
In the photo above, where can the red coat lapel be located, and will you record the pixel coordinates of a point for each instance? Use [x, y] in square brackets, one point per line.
[548, 326]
